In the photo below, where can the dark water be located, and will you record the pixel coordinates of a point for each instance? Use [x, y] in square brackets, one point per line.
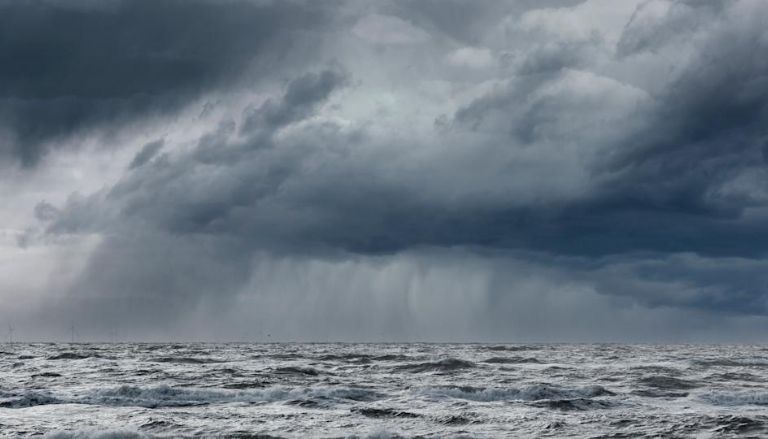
[382, 390]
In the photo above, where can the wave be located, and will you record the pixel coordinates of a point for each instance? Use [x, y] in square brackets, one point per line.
[28, 399]
[85, 434]
[363, 358]
[246, 384]
[576, 404]
[726, 362]
[733, 376]
[46, 375]
[166, 396]
[455, 420]
[284, 356]
[736, 398]
[292, 370]
[511, 348]
[667, 382]
[392, 357]
[738, 425]
[655, 393]
[127, 434]
[153, 397]
[656, 369]
[512, 360]
[187, 360]
[384, 413]
[445, 365]
[72, 356]
[536, 392]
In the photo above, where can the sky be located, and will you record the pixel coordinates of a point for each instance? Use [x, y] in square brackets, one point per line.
[391, 170]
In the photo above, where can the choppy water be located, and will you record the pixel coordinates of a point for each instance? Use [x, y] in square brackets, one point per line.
[382, 390]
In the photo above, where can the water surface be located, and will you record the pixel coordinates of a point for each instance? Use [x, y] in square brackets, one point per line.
[382, 390]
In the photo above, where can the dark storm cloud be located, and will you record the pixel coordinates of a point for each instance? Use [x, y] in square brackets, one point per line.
[659, 189]
[663, 180]
[559, 169]
[69, 67]
[245, 173]
[708, 125]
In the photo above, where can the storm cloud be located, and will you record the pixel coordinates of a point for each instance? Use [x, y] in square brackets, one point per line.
[398, 170]
[76, 67]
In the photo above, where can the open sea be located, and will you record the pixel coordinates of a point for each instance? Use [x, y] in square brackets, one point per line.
[135, 390]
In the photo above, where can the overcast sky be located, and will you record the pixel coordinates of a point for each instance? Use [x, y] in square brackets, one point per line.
[439, 170]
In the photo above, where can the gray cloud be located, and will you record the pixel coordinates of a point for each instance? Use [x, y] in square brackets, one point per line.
[147, 153]
[76, 67]
[662, 183]
[301, 96]
[619, 175]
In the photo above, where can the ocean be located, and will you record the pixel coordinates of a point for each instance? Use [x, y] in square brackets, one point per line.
[292, 390]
